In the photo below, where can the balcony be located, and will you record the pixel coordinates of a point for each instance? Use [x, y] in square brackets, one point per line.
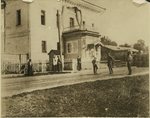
[82, 28]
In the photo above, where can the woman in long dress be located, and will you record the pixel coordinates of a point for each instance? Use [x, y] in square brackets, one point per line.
[30, 69]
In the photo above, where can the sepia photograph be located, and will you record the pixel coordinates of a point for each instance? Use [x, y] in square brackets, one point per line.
[75, 58]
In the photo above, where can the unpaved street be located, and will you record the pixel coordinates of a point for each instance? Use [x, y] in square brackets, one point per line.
[17, 85]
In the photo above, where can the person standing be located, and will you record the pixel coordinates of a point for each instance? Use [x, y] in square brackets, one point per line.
[30, 69]
[94, 65]
[110, 63]
[78, 63]
[54, 63]
[58, 64]
[129, 61]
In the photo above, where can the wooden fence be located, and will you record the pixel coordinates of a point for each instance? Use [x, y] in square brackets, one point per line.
[141, 60]
[22, 67]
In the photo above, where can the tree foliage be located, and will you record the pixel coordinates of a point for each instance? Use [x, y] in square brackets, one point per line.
[125, 45]
[140, 45]
[106, 41]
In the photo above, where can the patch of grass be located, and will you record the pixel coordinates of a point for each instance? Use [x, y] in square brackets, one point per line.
[124, 97]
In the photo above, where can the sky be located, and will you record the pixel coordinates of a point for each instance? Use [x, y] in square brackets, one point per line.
[123, 22]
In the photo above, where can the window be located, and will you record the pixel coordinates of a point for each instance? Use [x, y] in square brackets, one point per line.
[18, 13]
[71, 22]
[69, 47]
[42, 17]
[44, 46]
[72, 47]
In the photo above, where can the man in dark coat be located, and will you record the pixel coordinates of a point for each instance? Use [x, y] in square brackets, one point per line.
[58, 64]
[79, 63]
[129, 60]
[110, 63]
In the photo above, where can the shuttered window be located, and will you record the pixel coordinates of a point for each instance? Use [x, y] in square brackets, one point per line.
[72, 47]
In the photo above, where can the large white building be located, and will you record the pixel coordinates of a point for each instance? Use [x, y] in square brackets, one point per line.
[35, 28]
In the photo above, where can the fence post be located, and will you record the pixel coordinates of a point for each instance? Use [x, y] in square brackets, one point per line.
[19, 66]
[42, 67]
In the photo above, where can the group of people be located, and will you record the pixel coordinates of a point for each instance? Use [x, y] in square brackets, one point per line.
[56, 64]
[28, 68]
[110, 63]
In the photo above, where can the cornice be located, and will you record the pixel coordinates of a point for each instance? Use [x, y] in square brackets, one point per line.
[85, 5]
[81, 32]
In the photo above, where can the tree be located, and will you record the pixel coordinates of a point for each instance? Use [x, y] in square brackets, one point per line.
[106, 41]
[140, 45]
[147, 49]
[125, 45]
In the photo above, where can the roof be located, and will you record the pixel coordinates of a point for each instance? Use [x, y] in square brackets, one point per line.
[55, 52]
[116, 48]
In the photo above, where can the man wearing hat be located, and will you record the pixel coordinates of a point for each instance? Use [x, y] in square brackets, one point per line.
[110, 63]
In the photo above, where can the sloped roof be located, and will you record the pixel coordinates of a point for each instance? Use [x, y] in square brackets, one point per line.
[116, 48]
[55, 52]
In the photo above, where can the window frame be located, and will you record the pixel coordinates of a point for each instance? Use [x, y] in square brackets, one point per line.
[44, 50]
[18, 17]
[72, 22]
[72, 47]
[43, 17]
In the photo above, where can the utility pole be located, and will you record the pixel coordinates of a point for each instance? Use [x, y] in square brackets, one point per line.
[3, 16]
[59, 35]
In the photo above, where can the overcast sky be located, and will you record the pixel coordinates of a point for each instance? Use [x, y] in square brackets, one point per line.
[124, 22]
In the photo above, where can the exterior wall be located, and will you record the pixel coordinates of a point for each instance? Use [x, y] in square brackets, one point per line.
[17, 45]
[87, 15]
[47, 32]
[16, 40]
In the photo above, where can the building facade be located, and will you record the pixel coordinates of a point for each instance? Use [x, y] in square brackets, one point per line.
[35, 28]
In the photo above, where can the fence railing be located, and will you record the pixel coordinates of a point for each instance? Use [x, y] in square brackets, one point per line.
[83, 27]
[141, 60]
[8, 68]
